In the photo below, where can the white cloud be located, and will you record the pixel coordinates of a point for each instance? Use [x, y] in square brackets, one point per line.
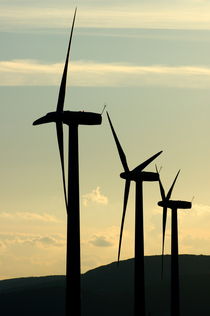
[9, 240]
[190, 223]
[201, 210]
[150, 14]
[29, 216]
[94, 196]
[108, 237]
[23, 254]
[196, 221]
[48, 241]
[193, 230]
[101, 241]
[87, 73]
[100, 246]
[2, 246]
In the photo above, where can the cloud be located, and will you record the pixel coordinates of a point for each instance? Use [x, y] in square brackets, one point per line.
[2, 245]
[23, 254]
[101, 241]
[8, 240]
[193, 229]
[198, 216]
[201, 210]
[29, 216]
[48, 241]
[94, 196]
[90, 74]
[151, 14]
[108, 237]
[100, 246]
[195, 244]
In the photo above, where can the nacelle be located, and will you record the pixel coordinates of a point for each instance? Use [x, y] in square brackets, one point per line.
[71, 118]
[149, 176]
[172, 204]
[140, 176]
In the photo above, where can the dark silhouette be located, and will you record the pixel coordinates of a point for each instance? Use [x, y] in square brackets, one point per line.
[108, 290]
[138, 176]
[174, 205]
[73, 119]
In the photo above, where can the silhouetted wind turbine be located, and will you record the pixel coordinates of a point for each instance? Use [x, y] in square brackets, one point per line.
[138, 176]
[73, 119]
[174, 205]
[165, 198]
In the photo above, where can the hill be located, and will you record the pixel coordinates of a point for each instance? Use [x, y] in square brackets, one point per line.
[108, 290]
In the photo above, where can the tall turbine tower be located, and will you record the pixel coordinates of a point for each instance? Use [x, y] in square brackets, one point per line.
[73, 119]
[138, 176]
[174, 205]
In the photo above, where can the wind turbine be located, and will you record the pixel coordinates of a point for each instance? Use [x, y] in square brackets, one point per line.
[138, 176]
[174, 205]
[73, 119]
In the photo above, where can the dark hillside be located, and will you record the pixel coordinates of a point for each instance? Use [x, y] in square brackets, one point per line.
[108, 290]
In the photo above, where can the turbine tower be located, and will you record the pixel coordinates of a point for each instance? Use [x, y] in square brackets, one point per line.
[174, 205]
[138, 176]
[72, 119]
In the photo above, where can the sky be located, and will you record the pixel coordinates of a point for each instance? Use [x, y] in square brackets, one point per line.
[148, 61]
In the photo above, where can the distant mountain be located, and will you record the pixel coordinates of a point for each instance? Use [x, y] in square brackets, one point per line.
[108, 290]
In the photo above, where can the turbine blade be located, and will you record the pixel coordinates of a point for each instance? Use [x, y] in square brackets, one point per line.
[62, 91]
[162, 191]
[172, 186]
[59, 130]
[164, 230]
[119, 147]
[146, 162]
[126, 193]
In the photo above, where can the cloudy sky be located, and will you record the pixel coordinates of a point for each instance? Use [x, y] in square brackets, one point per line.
[149, 61]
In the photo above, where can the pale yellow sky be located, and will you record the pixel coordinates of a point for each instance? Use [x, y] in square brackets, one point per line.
[151, 66]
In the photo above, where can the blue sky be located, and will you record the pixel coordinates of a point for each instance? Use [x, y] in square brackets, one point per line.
[149, 62]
